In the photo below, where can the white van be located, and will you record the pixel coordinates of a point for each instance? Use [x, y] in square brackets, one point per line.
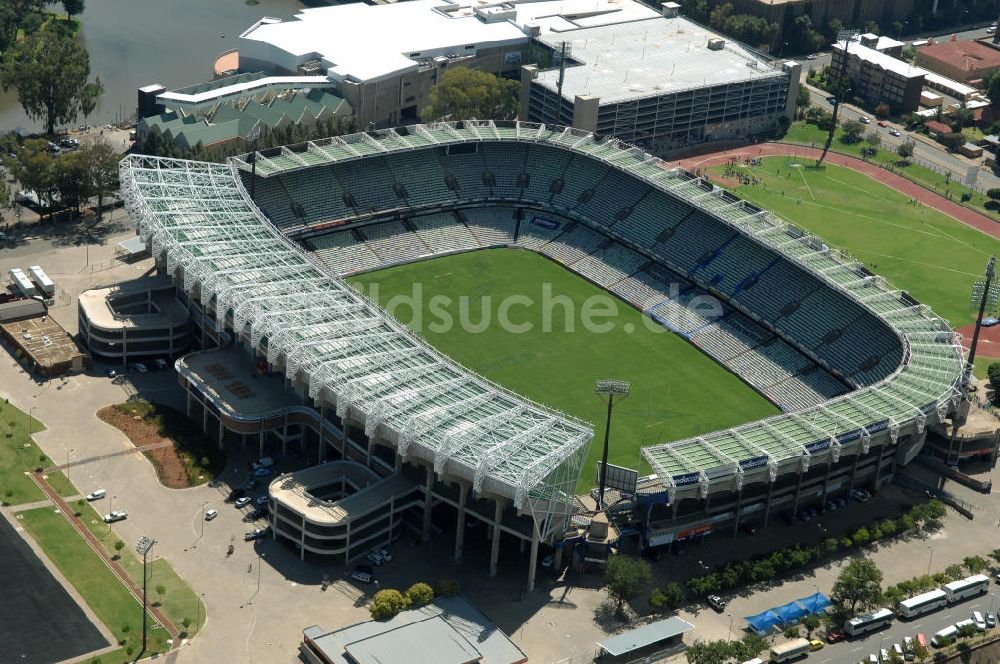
[947, 634]
[96, 495]
[977, 618]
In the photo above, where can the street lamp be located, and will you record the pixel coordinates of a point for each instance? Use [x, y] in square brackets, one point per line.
[143, 547]
[608, 390]
[836, 101]
[929, 558]
[203, 506]
[68, 452]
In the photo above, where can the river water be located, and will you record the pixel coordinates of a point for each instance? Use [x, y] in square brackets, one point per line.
[137, 42]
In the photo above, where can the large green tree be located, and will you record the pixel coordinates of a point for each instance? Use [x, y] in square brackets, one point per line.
[859, 586]
[464, 94]
[72, 7]
[993, 89]
[626, 578]
[34, 168]
[49, 70]
[102, 170]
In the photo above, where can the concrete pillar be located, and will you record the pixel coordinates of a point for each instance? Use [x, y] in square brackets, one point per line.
[798, 493]
[826, 482]
[878, 467]
[463, 493]
[302, 539]
[557, 563]
[319, 447]
[187, 395]
[767, 504]
[495, 545]
[260, 445]
[533, 558]
[222, 432]
[585, 110]
[425, 531]
[736, 512]
[854, 471]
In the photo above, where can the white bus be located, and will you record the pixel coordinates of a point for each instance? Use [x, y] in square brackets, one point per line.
[42, 280]
[790, 650]
[22, 283]
[869, 622]
[923, 603]
[967, 587]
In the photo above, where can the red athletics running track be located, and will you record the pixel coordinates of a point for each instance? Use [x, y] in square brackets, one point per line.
[898, 182]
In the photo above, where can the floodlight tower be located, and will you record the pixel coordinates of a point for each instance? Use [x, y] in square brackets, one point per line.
[143, 547]
[988, 300]
[608, 390]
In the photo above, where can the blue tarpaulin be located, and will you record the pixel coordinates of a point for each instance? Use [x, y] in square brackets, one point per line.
[815, 603]
[762, 622]
[790, 612]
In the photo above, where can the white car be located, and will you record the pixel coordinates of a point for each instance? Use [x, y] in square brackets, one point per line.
[115, 515]
[864, 119]
[211, 514]
[242, 502]
[96, 495]
[894, 132]
[990, 30]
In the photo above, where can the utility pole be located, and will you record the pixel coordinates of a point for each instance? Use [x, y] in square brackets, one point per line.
[608, 390]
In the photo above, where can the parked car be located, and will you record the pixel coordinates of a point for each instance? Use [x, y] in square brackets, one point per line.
[882, 123]
[864, 119]
[140, 367]
[115, 515]
[991, 620]
[211, 514]
[96, 495]
[242, 502]
[258, 513]
[811, 56]
[836, 636]
[894, 132]
[110, 372]
[160, 364]
[255, 534]
[234, 494]
[816, 644]
[69, 143]
[262, 472]
[717, 603]
[260, 501]
[363, 573]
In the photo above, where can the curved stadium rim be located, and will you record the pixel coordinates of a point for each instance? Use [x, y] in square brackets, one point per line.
[910, 321]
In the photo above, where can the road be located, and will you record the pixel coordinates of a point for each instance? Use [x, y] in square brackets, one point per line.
[851, 652]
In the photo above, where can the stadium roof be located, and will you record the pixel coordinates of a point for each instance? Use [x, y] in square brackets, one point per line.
[656, 56]
[343, 345]
[371, 42]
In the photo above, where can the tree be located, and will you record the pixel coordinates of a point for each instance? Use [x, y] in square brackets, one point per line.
[882, 110]
[446, 588]
[954, 572]
[952, 141]
[853, 131]
[119, 545]
[386, 604]
[874, 139]
[161, 590]
[464, 93]
[72, 7]
[71, 180]
[626, 578]
[859, 586]
[419, 594]
[920, 652]
[49, 70]
[34, 168]
[905, 150]
[975, 564]
[993, 89]
[102, 170]
[802, 99]
[666, 599]
[811, 623]
[994, 196]
[961, 117]
[792, 632]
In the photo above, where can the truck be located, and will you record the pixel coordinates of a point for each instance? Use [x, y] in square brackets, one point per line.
[42, 280]
[22, 283]
[790, 650]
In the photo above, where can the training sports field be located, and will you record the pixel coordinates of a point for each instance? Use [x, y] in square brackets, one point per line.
[676, 390]
[918, 249]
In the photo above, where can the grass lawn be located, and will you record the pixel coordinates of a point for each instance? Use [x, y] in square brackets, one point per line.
[99, 587]
[809, 134]
[179, 600]
[676, 390]
[925, 252]
[18, 455]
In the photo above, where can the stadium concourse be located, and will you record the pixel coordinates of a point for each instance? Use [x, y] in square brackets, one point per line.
[858, 367]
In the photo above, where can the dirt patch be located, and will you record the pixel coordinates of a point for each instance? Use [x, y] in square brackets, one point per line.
[181, 456]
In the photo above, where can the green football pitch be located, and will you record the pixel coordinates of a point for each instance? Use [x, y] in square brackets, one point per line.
[933, 256]
[676, 390]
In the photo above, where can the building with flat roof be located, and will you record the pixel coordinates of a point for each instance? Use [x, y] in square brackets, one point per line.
[450, 630]
[385, 58]
[963, 61]
[878, 77]
[662, 82]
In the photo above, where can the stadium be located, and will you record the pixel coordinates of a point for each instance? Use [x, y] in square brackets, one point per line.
[259, 248]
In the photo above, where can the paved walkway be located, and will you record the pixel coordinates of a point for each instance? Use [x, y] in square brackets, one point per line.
[118, 570]
[907, 187]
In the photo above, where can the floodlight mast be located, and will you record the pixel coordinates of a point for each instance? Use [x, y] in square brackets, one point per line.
[961, 411]
[143, 547]
[608, 390]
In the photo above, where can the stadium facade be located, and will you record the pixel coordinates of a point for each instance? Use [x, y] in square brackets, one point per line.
[859, 368]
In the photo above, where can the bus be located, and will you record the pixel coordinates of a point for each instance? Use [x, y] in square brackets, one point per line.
[923, 603]
[869, 622]
[965, 588]
[790, 650]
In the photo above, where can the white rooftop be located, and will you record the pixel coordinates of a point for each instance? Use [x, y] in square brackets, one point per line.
[364, 42]
[883, 60]
[651, 57]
